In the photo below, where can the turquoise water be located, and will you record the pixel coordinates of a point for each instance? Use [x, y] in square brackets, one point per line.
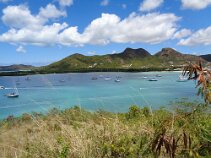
[44, 92]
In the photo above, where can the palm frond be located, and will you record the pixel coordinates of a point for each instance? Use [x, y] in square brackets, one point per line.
[202, 76]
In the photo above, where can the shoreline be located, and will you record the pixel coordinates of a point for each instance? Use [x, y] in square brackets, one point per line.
[34, 72]
[168, 108]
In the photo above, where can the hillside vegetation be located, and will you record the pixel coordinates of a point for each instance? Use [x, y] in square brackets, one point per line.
[76, 133]
[129, 59]
[16, 67]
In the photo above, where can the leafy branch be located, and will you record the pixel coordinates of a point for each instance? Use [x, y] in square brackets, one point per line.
[202, 76]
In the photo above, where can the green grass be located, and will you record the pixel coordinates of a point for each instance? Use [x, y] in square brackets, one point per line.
[80, 134]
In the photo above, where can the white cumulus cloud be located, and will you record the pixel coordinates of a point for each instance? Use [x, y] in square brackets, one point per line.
[195, 4]
[133, 29]
[21, 49]
[182, 33]
[148, 5]
[26, 28]
[200, 37]
[47, 35]
[65, 3]
[19, 17]
[50, 11]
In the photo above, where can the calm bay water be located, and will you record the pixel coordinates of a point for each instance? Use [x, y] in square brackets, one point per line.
[44, 92]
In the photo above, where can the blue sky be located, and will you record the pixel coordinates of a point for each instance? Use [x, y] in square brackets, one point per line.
[39, 32]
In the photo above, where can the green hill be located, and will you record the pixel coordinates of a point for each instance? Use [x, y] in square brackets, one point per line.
[16, 67]
[129, 59]
[206, 57]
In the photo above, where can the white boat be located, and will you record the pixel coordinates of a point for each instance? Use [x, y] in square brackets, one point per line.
[182, 79]
[153, 79]
[2, 87]
[158, 75]
[13, 94]
[117, 80]
[107, 78]
[61, 80]
[145, 77]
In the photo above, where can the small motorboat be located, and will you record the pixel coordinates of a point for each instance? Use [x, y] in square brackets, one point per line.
[117, 80]
[158, 75]
[182, 79]
[101, 76]
[145, 77]
[94, 78]
[2, 87]
[61, 81]
[153, 79]
[107, 78]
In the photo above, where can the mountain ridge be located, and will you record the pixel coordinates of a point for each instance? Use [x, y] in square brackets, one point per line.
[16, 67]
[206, 57]
[128, 59]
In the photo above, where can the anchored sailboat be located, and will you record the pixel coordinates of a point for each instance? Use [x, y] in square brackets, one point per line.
[117, 80]
[13, 94]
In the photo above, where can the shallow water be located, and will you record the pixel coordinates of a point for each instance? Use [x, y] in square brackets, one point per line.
[44, 92]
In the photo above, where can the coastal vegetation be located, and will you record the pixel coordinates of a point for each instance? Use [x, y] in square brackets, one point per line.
[19, 67]
[83, 70]
[74, 132]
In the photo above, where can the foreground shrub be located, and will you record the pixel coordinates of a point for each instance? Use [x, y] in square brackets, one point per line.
[77, 133]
